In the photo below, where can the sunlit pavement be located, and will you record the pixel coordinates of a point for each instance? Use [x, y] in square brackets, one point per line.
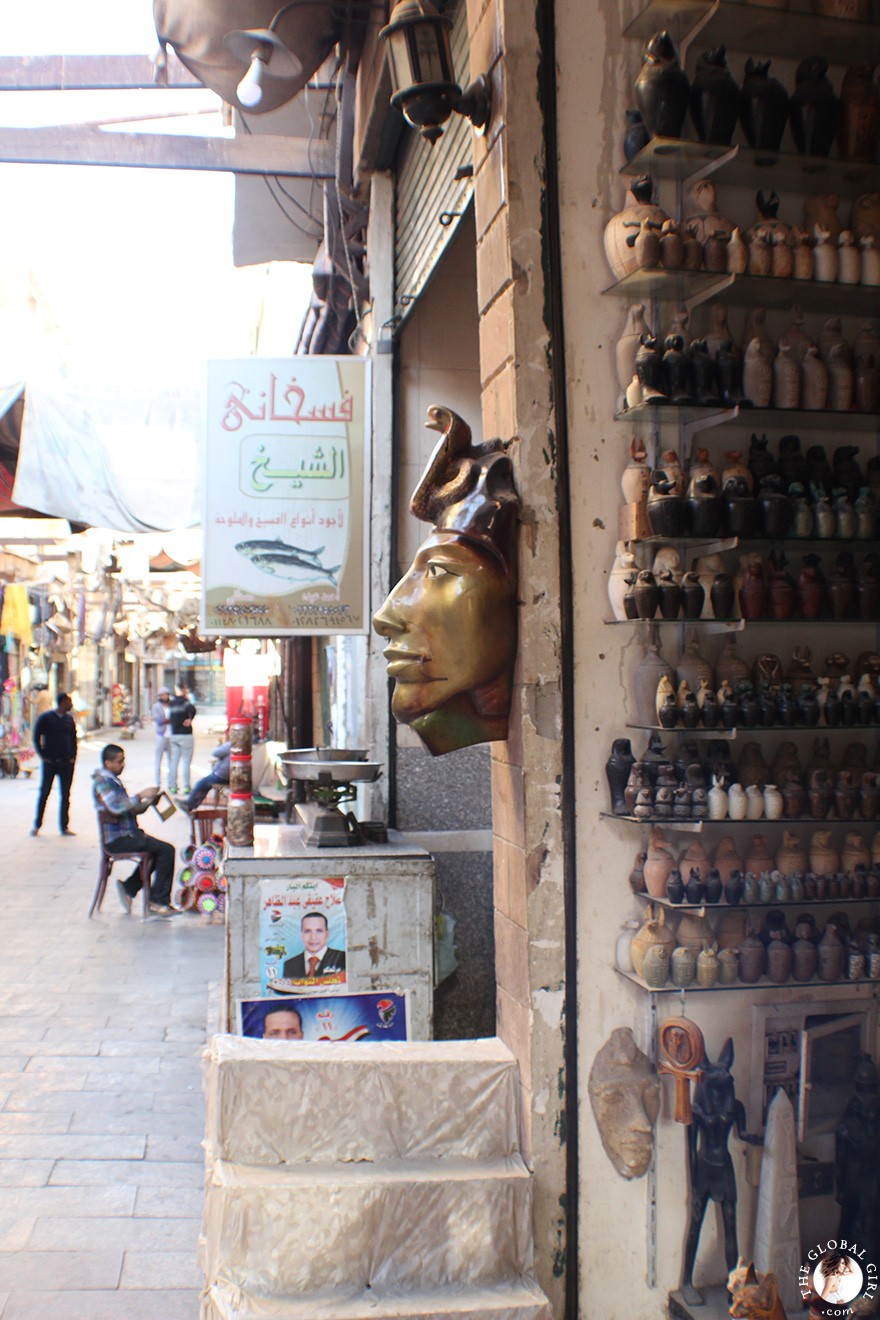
[101, 1028]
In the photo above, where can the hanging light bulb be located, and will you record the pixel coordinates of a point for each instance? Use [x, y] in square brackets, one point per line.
[250, 90]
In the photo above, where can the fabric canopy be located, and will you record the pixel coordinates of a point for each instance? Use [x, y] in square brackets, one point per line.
[109, 458]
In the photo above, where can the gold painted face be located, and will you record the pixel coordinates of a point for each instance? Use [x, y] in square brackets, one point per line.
[451, 627]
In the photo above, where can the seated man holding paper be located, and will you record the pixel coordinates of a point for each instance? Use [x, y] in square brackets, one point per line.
[124, 835]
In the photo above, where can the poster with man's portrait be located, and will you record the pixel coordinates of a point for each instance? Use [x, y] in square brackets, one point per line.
[303, 939]
[373, 1015]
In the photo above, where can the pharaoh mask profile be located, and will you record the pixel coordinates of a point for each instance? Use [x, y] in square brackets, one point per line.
[451, 621]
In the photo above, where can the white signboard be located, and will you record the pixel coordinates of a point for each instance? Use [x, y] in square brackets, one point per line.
[286, 485]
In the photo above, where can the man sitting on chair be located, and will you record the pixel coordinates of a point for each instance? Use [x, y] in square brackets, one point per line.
[122, 834]
[219, 775]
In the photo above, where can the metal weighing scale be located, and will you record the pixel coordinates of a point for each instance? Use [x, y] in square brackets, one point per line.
[330, 775]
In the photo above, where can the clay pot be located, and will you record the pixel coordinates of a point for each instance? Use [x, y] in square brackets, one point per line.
[682, 967]
[792, 856]
[671, 250]
[779, 961]
[757, 376]
[814, 109]
[815, 381]
[707, 966]
[763, 107]
[753, 593]
[659, 863]
[832, 956]
[727, 859]
[859, 130]
[864, 216]
[786, 379]
[854, 851]
[653, 932]
[694, 858]
[824, 858]
[759, 857]
[622, 229]
[737, 262]
[714, 98]
[826, 262]
[728, 967]
[849, 260]
[628, 344]
[646, 680]
[636, 136]
[617, 769]
[752, 959]
[821, 209]
[841, 381]
[675, 887]
[805, 960]
[655, 966]
[662, 88]
[802, 266]
[693, 932]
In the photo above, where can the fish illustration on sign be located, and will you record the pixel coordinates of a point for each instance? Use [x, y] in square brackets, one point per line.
[286, 561]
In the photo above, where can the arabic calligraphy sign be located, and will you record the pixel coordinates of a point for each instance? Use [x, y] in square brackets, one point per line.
[286, 517]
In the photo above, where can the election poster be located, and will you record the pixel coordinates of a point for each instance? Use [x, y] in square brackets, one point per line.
[303, 937]
[373, 1015]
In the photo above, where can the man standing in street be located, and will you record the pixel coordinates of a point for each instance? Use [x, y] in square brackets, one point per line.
[181, 713]
[55, 744]
[123, 834]
[162, 730]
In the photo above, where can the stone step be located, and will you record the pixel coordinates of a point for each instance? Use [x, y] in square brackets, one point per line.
[305, 1230]
[523, 1300]
[367, 1101]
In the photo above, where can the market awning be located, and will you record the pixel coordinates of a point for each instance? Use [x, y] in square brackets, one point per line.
[114, 458]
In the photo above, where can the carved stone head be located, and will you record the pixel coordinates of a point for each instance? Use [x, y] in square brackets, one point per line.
[625, 1095]
[451, 621]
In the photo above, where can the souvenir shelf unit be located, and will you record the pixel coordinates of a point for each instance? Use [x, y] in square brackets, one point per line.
[660, 425]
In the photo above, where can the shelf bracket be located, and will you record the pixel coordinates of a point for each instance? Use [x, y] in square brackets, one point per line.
[684, 44]
[705, 171]
[711, 291]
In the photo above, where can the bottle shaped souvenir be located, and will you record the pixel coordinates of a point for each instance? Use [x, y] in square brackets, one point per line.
[849, 260]
[826, 262]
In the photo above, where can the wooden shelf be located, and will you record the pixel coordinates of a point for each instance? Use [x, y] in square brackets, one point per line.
[763, 984]
[786, 172]
[755, 29]
[744, 907]
[693, 287]
[698, 417]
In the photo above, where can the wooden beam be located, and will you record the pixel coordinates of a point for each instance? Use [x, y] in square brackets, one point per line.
[296, 158]
[60, 73]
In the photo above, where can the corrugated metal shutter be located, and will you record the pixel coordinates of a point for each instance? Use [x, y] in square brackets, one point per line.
[427, 188]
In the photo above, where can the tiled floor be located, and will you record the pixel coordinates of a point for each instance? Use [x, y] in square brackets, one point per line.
[101, 1117]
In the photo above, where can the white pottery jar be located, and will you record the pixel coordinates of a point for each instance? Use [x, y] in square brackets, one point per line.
[736, 802]
[623, 953]
[773, 802]
[754, 803]
[717, 797]
[825, 258]
[849, 259]
[870, 264]
[624, 565]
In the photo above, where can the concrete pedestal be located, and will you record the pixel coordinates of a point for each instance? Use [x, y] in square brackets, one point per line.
[389, 905]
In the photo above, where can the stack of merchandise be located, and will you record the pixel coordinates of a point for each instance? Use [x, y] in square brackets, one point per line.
[202, 884]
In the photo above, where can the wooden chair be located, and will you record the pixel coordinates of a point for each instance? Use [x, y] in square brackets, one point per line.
[143, 860]
[209, 818]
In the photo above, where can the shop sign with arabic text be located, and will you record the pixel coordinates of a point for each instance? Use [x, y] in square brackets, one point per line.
[286, 518]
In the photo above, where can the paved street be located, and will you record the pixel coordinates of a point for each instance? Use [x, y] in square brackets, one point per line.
[101, 1027]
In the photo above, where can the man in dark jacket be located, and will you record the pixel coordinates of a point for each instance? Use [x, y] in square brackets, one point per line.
[317, 960]
[55, 743]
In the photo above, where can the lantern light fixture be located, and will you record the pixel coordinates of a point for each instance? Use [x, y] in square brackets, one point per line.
[421, 71]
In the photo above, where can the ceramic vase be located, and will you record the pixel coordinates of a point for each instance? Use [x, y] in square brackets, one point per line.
[653, 932]
[682, 967]
[628, 344]
[859, 130]
[636, 136]
[814, 109]
[814, 381]
[826, 262]
[757, 376]
[737, 262]
[763, 109]
[714, 98]
[662, 88]
[655, 966]
[752, 959]
[623, 228]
